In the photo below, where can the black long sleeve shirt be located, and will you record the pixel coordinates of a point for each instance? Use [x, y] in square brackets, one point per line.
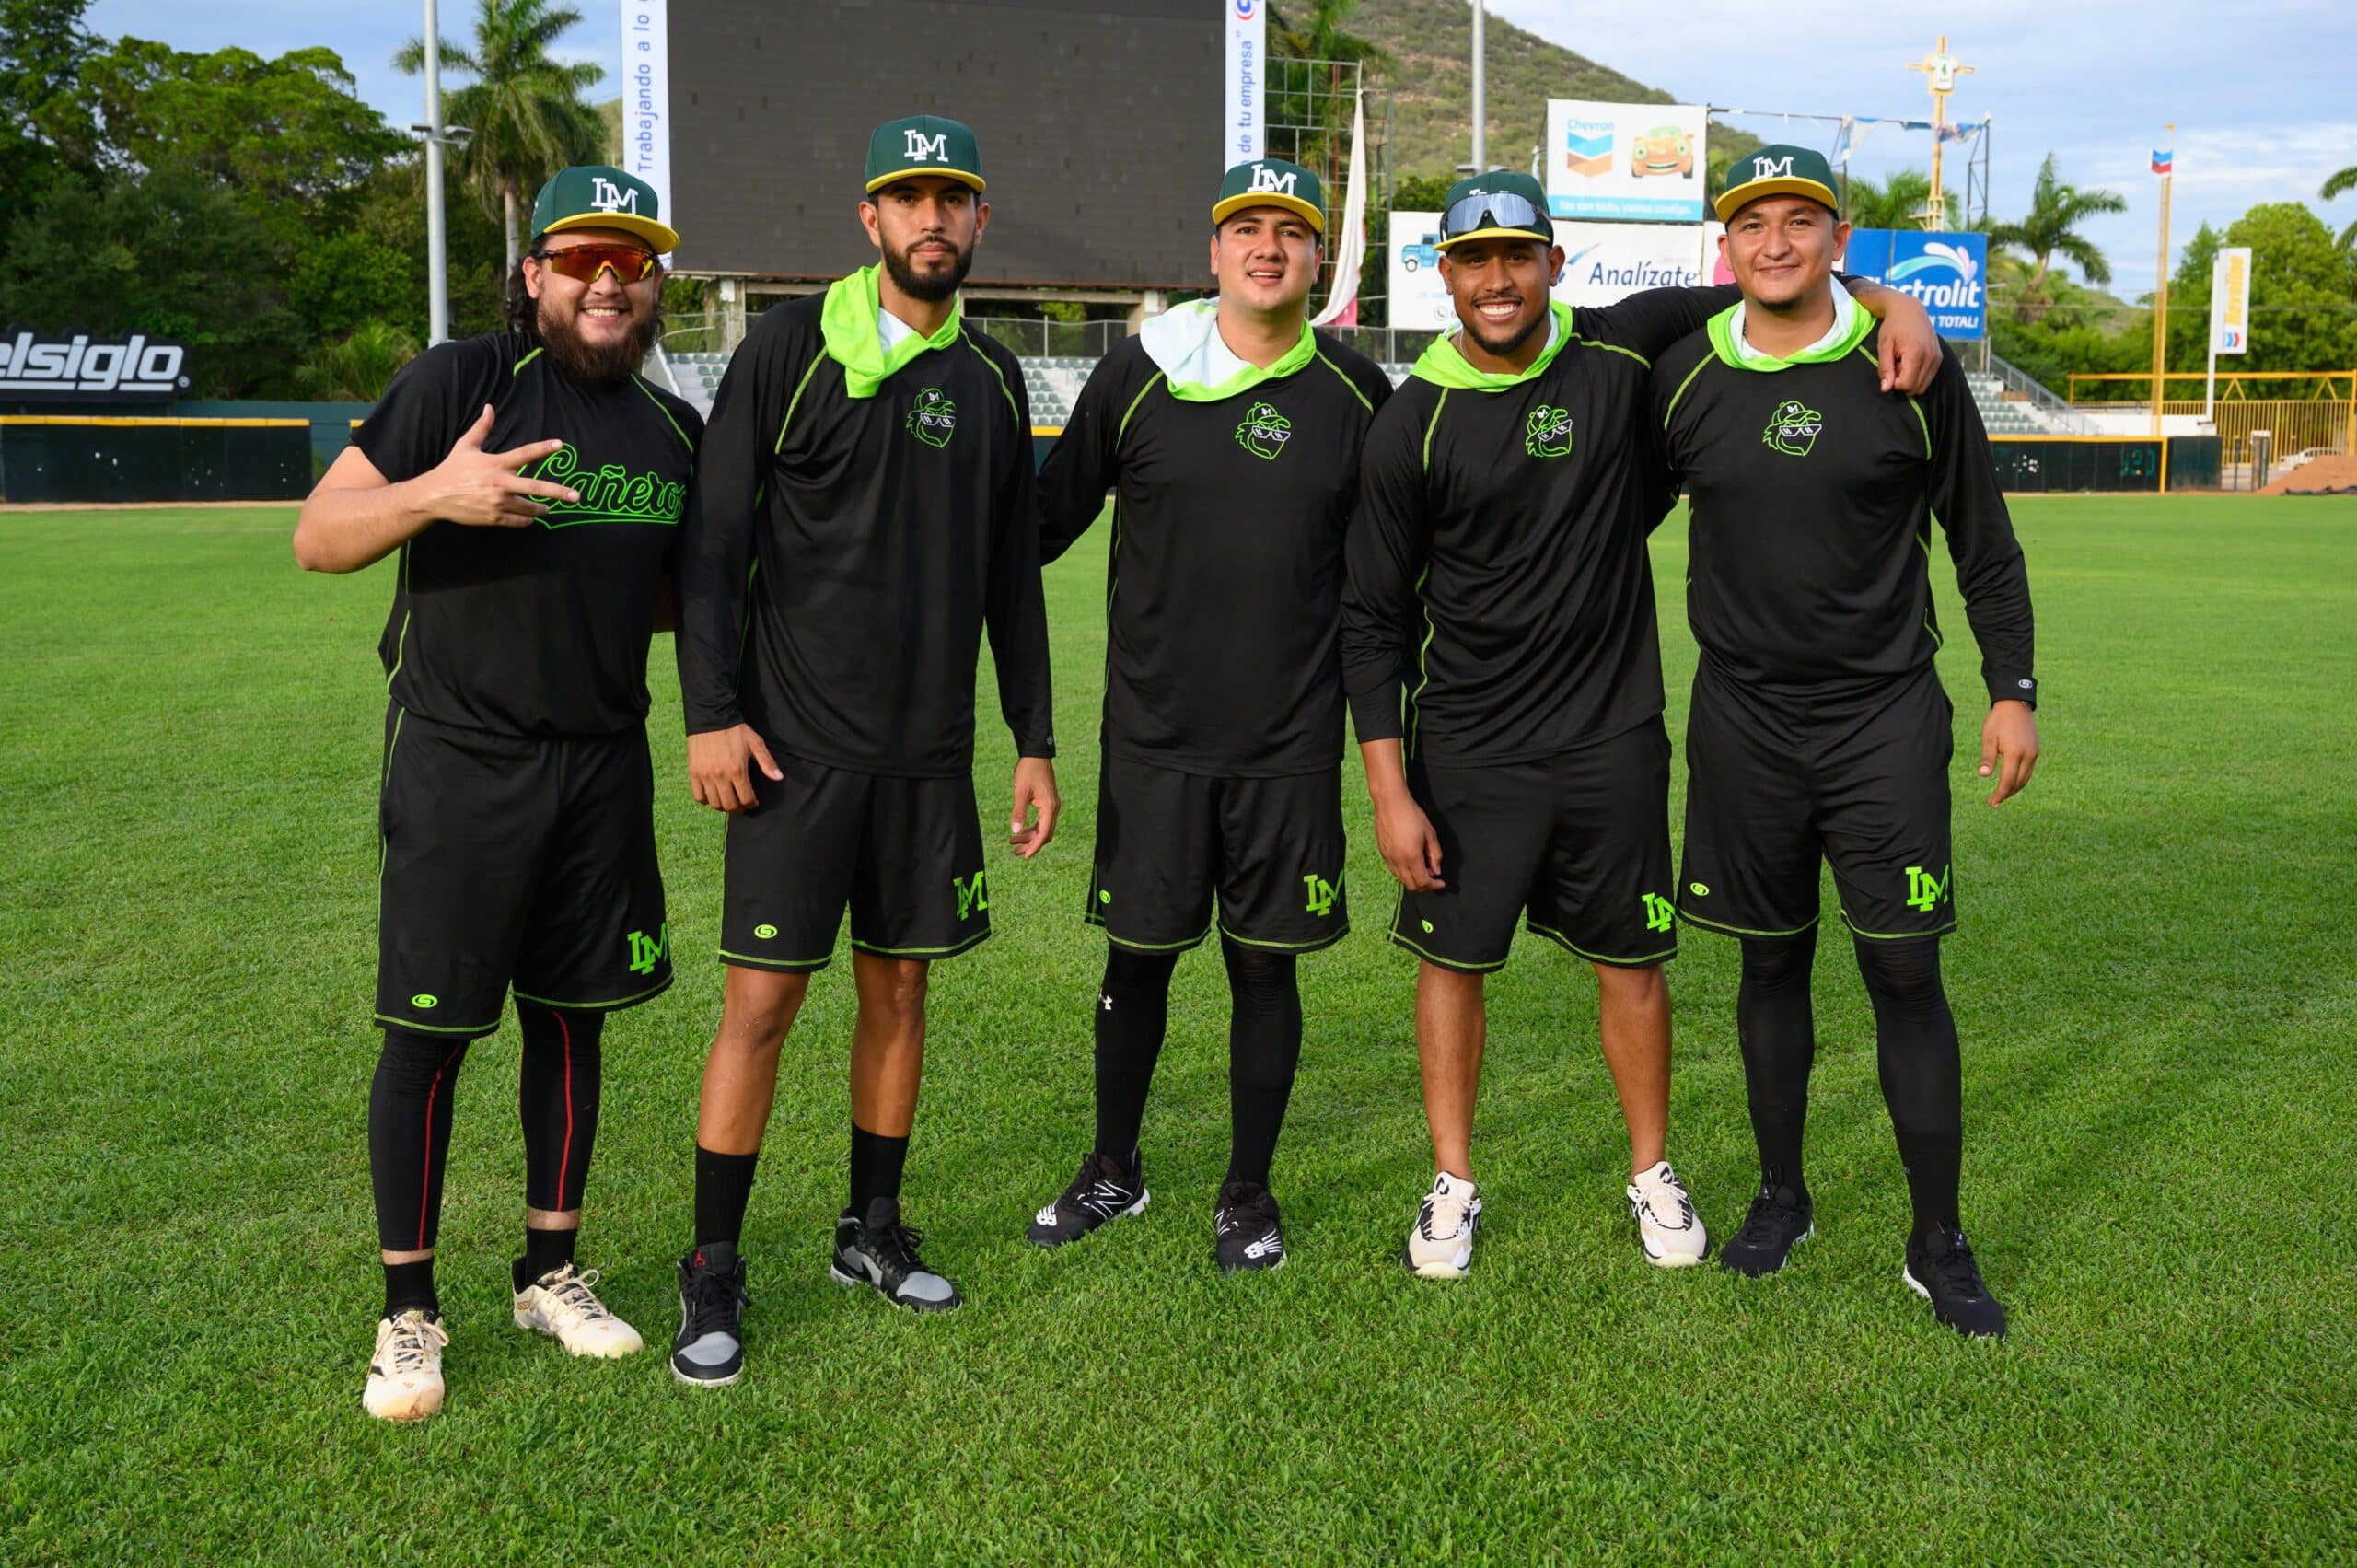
[1813, 494]
[1223, 584]
[842, 556]
[1497, 566]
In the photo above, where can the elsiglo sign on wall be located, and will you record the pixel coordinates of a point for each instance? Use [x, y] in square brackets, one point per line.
[81, 367]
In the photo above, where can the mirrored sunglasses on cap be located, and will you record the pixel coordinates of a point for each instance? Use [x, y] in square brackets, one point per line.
[630, 263]
[1503, 209]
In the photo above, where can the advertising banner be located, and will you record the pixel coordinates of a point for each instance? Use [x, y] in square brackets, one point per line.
[1604, 262]
[76, 367]
[1243, 137]
[1625, 160]
[646, 97]
[2230, 301]
[1416, 297]
[1948, 272]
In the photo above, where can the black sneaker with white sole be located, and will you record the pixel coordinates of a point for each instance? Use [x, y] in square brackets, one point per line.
[1779, 1220]
[1104, 1189]
[709, 1349]
[878, 1251]
[1248, 1235]
[1940, 1269]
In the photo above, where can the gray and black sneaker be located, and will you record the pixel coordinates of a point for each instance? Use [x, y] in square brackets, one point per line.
[1244, 1221]
[709, 1349]
[1103, 1191]
[1940, 1269]
[1779, 1220]
[879, 1251]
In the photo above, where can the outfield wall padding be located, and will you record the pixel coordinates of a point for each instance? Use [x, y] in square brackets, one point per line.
[58, 459]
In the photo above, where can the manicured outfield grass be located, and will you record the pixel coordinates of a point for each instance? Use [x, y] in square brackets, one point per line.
[2153, 980]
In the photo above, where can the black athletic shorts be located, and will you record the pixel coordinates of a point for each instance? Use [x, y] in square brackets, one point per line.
[1271, 850]
[904, 854]
[510, 862]
[1579, 840]
[1778, 784]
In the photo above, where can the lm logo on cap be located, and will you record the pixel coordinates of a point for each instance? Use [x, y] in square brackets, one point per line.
[1267, 178]
[609, 197]
[923, 148]
[1771, 169]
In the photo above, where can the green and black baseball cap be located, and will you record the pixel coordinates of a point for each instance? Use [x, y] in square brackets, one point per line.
[923, 144]
[598, 196]
[1271, 182]
[1780, 170]
[1497, 205]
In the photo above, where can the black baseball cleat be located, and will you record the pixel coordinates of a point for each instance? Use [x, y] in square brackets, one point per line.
[1244, 1221]
[1940, 1269]
[1779, 1220]
[709, 1349]
[880, 1253]
[1103, 1191]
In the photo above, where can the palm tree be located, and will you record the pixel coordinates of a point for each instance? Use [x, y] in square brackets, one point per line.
[363, 366]
[2343, 182]
[2052, 227]
[525, 108]
[1323, 38]
[1897, 202]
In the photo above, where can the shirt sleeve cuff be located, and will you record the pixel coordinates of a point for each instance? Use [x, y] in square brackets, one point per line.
[2011, 686]
[1374, 715]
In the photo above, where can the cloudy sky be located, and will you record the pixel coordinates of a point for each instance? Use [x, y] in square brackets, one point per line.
[2260, 92]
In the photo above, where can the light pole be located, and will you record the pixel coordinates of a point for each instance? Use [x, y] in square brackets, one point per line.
[1480, 118]
[437, 280]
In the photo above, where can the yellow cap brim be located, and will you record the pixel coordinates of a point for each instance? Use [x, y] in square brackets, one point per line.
[974, 181]
[1493, 234]
[1223, 211]
[1735, 200]
[663, 238]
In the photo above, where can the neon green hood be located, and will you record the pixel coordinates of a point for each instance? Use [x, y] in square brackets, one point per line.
[1742, 357]
[1179, 342]
[847, 322]
[1444, 365]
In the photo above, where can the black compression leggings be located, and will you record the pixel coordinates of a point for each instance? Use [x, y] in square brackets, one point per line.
[408, 1118]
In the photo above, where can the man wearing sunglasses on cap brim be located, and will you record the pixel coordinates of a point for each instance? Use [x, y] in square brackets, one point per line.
[531, 481]
[1820, 732]
[1505, 673]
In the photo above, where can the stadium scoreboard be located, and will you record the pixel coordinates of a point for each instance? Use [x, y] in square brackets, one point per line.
[1099, 127]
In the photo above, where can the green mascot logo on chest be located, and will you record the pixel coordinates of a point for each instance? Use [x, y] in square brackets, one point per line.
[1549, 434]
[1264, 431]
[1793, 428]
[934, 418]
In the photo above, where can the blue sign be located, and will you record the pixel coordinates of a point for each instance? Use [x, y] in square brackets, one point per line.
[1948, 272]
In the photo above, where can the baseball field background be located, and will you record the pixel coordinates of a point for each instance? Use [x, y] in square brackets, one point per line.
[2155, 981]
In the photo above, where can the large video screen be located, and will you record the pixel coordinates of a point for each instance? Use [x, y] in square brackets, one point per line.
[1099, 125]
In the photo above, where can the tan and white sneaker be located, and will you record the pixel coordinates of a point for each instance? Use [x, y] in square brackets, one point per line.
[1440, 1244]
[1671, 1232]
[405, 1372]
[561, 1303]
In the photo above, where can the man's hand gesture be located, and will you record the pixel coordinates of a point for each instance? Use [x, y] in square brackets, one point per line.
[488, 489]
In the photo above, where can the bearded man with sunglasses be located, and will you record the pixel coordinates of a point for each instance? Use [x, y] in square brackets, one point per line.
[1497, 570]
[531, 481]
[863, 513]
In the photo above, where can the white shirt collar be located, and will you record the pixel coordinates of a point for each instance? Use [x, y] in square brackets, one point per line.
[895, 332]
[1845, 310]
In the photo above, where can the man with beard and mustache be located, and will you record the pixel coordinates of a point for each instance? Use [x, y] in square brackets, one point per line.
[531, 481]
[863, 511]
[1498, 571]
[1229, 431]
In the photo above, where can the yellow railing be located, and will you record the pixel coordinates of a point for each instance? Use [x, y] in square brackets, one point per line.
[2319, 386]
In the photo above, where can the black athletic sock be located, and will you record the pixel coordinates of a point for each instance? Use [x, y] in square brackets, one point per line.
[1132, 1013]
[1263, 1050]
[410, 1285]
[564, 1061]
[543, 1250]
[1777, 1030]
[875, 1165]
[1922, 1072]
[723, 1186]
[409, 1135]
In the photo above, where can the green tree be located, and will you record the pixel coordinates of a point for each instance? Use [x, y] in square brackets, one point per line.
[2050, 227]
[2302, 282]
[361, 366]
[1896, 203]
[49, 131]
[1320, 35]
[2342, 182]
[525, 108]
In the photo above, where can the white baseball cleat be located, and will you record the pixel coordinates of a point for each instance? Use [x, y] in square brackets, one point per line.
[1671, 1232]
[1440, 1244]
[405, 1372]
[561, 1303]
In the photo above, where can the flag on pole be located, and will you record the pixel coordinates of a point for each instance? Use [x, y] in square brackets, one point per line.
[2162, 160]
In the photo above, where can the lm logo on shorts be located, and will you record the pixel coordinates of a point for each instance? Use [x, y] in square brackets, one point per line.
[645, 955]
[1793, 428]
[1549, 434]
[1927, 893]
[933, 419]
[1321, 894]
[1264, 431]
[1660, 914]
[973, 893]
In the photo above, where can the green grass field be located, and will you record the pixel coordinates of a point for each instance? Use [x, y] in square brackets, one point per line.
[2153, 980]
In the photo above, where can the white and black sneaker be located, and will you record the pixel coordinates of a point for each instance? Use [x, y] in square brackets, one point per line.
[1779, 1220]
[1103, 1191]
[1440, 1244]
[1246, 1226]
[710, 1347]
[1940, 1269]
[1668, 1227]
[878, 1251]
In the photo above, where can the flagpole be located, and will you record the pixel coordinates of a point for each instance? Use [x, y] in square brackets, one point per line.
[2161, 292]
